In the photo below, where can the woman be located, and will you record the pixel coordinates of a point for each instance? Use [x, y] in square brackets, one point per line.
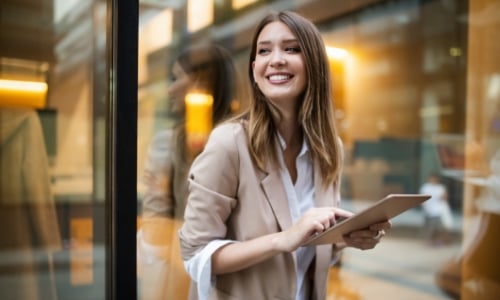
[269, 179]
[28, 215]
[206, 69]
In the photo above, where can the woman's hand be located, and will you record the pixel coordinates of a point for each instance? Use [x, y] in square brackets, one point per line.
[315, 220]
[238, 256]
[367, 238]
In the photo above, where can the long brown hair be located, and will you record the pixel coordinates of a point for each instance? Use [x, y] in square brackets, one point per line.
[315, 113]
[212, 67]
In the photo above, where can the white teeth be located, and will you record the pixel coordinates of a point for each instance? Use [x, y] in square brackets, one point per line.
[278, 77]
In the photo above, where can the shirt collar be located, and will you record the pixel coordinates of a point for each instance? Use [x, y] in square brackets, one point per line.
[282, 144]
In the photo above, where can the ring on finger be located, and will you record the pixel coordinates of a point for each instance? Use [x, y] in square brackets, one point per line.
[379, 234]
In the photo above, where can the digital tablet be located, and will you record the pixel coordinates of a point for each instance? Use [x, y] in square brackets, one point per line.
[382, 210]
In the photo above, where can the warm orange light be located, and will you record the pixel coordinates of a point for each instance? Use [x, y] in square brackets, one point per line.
[238, 4]
[336, 53]
[198, 120]
[22, 93]
[200, 14]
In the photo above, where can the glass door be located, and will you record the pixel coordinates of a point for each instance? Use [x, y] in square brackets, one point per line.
[64, 102]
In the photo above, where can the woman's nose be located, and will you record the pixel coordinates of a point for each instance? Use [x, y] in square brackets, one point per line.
[277, 59]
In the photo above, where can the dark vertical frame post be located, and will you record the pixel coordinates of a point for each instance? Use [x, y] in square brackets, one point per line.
[121, 164]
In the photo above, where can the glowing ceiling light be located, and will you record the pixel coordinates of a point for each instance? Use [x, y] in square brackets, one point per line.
[22, 93]
[200, 14]
[336, 53]
[238, 4]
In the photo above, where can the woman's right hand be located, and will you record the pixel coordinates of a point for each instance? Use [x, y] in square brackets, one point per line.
[313, 221]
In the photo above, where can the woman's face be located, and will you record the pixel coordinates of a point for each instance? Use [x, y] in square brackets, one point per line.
[278, 68]
[181, 83]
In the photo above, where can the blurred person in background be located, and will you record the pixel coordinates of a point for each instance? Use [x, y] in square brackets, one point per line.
[30, 231]
[205, 70]
[436, 210]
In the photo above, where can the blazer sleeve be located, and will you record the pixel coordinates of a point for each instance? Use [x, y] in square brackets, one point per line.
[213, 183]
[158, 200]
[37, 189]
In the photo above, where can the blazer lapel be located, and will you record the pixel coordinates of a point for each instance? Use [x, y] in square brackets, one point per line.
[276, 195]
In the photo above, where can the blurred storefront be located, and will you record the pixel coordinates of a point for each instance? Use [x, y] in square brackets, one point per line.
[416, 90]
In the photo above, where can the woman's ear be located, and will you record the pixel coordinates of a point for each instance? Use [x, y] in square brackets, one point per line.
[253, 71]
[196, 83]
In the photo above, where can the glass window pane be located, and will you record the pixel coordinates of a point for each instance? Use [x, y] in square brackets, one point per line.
[416, 90]
[52, 132]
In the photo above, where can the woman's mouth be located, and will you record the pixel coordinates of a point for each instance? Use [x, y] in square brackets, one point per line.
[279, 77]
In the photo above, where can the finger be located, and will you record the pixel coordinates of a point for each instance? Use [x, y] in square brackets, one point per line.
[338, 219]
[363, 234]
[318, 226]
[326, 224]
[339, 212]
[361, 243]
[380, 234]
[327, 219]
[339, 216]
[386, 225]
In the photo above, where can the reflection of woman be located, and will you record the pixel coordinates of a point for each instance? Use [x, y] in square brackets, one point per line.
[268, 180]
[207, 69]
[28, 219]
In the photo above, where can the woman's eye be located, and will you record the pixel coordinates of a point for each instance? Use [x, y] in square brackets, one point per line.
[262, 51]
[292, 49]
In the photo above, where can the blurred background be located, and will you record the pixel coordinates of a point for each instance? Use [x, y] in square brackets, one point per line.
[416, 91]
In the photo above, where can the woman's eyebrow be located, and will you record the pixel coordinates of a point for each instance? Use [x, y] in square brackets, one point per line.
[287, 41]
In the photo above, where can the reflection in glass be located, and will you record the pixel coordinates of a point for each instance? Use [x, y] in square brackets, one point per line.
[52, 149]
[27, 209]
[200, 95]
[199, 14]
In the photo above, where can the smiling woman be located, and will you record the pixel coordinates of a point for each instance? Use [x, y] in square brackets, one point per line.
[269, 179]
[278, 68]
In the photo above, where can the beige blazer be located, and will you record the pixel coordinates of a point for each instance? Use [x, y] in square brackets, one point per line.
[28, 216]
[231, 198]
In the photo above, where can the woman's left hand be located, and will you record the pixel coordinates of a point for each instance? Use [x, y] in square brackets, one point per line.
[367, 238]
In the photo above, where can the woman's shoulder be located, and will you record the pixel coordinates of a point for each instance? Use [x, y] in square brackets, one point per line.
[161, 140]
[228, 132]
[163, 134]
[226, 142]
[231, 126]
[221, 154]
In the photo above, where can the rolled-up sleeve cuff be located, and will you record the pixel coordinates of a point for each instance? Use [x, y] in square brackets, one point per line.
[199, 267]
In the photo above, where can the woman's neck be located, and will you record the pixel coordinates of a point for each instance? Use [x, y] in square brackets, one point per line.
[287, 124]
[289, 130]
